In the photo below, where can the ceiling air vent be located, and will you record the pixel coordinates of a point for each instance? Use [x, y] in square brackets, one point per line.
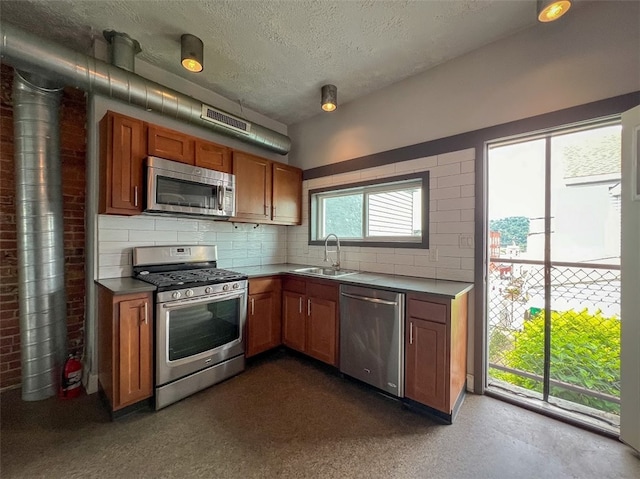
[224, 119]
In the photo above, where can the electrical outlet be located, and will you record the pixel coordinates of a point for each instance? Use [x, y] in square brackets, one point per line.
[466, 241]
[433, 255]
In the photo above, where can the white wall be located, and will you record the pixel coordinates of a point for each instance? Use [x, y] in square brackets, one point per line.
[452, 198]
[589, 55]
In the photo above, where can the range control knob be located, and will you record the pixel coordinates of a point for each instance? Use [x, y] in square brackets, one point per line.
[188, 293]
[208, 290]
[225, 287]
[176, 295]
[236, 285]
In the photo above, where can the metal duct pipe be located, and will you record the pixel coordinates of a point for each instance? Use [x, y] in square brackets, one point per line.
[123, 50]
[27, 52]
[42, 298]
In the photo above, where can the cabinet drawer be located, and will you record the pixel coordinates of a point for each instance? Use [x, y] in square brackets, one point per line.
[322, 290]
[264, 285]
[427, 310]
[295, 285]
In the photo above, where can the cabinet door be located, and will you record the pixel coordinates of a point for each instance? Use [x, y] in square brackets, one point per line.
[253, 187]
[426, 368]
[294, 321]
[323, 328]
[122, 151]
[212, 156]
[263, 322]
[287, 194]
[170, 144]
[135, 352]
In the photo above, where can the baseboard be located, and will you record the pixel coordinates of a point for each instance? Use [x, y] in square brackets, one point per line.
[90, 382]
[470, 379]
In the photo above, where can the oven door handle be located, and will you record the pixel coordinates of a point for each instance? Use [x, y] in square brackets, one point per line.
[206, 299]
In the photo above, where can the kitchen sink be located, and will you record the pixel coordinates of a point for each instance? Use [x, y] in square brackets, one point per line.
[326, 271]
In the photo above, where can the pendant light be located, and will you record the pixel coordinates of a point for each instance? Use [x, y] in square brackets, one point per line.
[550, 10]
[192, 53]
[329, 97]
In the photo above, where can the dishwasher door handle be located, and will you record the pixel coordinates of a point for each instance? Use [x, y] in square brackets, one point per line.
[369, 300]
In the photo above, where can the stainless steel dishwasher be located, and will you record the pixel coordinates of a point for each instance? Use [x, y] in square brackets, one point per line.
[372, 337]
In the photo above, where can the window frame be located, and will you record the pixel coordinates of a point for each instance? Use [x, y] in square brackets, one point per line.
[388, 242]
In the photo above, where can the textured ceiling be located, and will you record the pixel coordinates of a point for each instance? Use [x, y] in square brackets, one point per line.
[274, 56]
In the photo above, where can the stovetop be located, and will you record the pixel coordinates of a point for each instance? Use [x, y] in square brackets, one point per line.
[188, 278]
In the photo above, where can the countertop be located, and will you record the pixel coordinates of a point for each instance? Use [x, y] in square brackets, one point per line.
[407, 284]
[125, 285]
[449, 289]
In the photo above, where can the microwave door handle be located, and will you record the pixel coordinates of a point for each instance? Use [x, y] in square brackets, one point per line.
[220, 194]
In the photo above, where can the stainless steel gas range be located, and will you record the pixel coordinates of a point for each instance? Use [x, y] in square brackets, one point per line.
[200, 313]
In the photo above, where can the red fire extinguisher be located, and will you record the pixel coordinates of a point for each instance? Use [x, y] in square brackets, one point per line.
[70, 386]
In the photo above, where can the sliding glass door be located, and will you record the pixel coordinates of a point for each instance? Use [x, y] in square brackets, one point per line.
[554, 271]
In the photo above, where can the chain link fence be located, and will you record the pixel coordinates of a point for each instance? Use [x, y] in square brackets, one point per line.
[584, 325]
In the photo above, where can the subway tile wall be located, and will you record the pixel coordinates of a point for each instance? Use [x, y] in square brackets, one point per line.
[451, 222]
[239, 244]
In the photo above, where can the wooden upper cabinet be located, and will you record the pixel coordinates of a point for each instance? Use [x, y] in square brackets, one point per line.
[253, 187]
[212, 156]
[122, 151]
[287, 194]
[266, 191]
[170, 144]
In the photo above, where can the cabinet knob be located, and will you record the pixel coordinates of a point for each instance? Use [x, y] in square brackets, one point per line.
[146, 313]
[135, 196]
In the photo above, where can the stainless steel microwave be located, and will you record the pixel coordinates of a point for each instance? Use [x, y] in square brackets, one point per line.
[180, 189]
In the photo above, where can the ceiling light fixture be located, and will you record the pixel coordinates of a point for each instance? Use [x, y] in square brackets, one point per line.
[550, 10]
[192, 56]
[329, 97]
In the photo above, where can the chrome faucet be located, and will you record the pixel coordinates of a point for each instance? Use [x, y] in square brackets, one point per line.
[335, 265]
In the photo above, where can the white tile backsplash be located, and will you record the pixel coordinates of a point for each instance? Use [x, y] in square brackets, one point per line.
[452, 213]
[238, 244]
[452, 204]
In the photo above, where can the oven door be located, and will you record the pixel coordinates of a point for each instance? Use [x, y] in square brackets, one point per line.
[194, 334]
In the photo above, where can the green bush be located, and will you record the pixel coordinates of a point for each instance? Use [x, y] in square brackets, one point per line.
[585, 351]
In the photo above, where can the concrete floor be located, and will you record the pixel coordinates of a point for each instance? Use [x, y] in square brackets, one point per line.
[288, 417]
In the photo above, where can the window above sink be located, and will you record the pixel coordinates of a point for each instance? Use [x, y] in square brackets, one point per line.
[389, 212]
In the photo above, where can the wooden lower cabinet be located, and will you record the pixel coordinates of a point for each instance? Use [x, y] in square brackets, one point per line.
[125, 356]
[294, 321]
[263, 315]
[323, 330]
[310, 318]
[436, 345]
[426, 378]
